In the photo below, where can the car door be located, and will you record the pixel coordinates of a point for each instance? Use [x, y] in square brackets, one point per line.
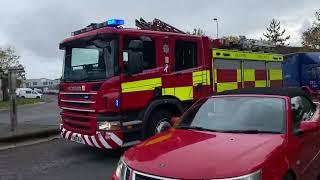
[307, 143]
[34, 94]
[28, 94]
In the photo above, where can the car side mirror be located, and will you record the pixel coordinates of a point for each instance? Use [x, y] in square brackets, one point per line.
[308, 126]
[135, 57]
[174, 120]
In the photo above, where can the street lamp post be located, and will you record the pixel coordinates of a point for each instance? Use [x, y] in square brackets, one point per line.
[216, 20]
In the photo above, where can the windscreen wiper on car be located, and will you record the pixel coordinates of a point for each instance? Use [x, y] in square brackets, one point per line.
[251, 131]
[195, 128]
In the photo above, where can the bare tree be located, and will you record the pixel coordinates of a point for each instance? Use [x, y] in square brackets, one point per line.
[311, 36]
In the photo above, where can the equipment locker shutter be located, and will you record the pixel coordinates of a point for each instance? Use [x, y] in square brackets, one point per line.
[227, 74]
[254, 74]
[275, 74]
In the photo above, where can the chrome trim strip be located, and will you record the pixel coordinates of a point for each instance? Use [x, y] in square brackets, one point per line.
[131, 123]
[148, 175]
[72, 101]
[74, 109]
[78, 93]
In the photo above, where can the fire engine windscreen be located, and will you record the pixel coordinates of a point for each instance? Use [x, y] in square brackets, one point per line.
[89, 61]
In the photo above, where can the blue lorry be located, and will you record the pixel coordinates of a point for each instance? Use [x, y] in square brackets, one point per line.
[302, 70]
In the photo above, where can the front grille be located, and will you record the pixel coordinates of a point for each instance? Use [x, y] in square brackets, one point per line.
[141, 177]
[127, 177]
[80, 119]
[78, 96]
[74, 104]
[78, 115]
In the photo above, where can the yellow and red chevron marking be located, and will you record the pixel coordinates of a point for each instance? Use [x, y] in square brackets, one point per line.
[103, 140]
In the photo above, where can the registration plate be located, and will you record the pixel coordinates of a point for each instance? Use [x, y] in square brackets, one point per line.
[77, 139]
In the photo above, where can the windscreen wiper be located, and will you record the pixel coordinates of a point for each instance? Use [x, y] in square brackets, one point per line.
[195, 128]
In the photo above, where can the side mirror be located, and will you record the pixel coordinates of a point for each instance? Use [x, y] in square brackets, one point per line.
[308, 126]
[174, 120]
[135, 57]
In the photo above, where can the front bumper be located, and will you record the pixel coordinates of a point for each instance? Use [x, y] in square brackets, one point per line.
[102, 139]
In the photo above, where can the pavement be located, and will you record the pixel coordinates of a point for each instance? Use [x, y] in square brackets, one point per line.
[57, 159]
[33, 121]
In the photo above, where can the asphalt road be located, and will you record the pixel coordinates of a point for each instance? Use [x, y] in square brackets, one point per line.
[57, 159]
[41, 114]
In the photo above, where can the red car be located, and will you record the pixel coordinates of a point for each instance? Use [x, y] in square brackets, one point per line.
[268, 134]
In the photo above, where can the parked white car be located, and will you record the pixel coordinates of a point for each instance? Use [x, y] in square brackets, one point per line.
[29, 94]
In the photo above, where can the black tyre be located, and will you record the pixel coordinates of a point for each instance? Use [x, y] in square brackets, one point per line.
[288, 176]
[23, 97]
[159, 121]
[38, 97]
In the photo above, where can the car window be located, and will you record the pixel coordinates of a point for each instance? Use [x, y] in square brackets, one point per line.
[242, 114]
[33, 92]
[28, 92]
[302, 110]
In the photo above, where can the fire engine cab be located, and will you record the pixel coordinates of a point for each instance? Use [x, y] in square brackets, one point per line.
[121, 85]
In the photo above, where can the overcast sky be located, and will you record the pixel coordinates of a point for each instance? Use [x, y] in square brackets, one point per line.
[35, 27]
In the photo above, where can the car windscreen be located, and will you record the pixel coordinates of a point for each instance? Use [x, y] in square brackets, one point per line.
[237, 114]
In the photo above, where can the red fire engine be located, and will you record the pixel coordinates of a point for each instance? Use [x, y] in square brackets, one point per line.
[120, 85]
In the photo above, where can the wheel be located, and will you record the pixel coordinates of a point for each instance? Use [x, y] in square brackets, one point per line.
[159, 122]
[23, 97]
[38, 97]
[288, 176]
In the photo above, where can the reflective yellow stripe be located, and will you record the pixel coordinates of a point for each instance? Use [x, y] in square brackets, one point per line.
[182, 93]
[261, 83]
[249, 74]
[141, 85]
[226, 86]
[239, 75]
[231, 54]
[275, 74]
[201, 77]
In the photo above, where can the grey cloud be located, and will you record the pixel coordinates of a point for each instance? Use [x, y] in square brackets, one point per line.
[37, 26]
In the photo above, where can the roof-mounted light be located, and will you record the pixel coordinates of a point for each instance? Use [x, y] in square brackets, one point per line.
[115, 22]
[93, 26]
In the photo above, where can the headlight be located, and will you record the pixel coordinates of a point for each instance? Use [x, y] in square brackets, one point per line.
[253, 176]
[121, 169]
[108, 126]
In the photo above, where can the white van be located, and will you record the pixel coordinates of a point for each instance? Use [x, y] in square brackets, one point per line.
[30, 94]
[18, 90]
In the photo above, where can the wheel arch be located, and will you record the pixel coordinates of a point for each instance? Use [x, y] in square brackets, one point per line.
[165, 102]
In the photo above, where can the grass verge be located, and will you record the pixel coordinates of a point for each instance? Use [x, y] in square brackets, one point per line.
[5, 104]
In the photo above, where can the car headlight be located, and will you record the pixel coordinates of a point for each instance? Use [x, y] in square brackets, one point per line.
[253, 176]
[121, 169]
[108, 126]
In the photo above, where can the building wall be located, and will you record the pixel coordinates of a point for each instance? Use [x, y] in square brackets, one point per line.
[42, 83]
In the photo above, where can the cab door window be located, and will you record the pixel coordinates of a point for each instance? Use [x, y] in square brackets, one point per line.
[186, 55]
[302, 110]
[149, 52]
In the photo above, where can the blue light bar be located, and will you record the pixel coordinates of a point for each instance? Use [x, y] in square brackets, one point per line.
[115, 22]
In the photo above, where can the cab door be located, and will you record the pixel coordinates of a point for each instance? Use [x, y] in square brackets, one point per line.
[306, 144]
[137, 89]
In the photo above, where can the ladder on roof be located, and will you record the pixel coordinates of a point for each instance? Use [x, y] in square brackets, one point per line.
[157, 25]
